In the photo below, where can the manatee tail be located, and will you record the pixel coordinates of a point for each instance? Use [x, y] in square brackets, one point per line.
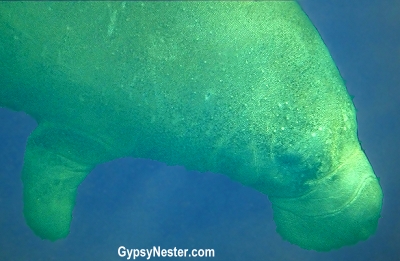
[56, 162]
[343, 209]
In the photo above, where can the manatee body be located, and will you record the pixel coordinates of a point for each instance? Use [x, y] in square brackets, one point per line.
[246, 89]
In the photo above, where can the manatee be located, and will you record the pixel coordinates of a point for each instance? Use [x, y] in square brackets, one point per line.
[245, 89]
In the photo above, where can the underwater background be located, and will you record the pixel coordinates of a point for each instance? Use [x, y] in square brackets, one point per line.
[142, 203]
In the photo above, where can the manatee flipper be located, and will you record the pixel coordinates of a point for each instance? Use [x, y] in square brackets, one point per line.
[56, 162]
[50, 186]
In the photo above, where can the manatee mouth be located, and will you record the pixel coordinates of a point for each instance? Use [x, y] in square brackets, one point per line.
[343, 208]
[332, 212]
[351, 199]
[334, 192]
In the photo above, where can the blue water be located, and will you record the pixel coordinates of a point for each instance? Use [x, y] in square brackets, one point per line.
[142, 203]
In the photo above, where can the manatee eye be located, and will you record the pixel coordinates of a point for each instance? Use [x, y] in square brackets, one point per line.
[297, 165]
[289, 159]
